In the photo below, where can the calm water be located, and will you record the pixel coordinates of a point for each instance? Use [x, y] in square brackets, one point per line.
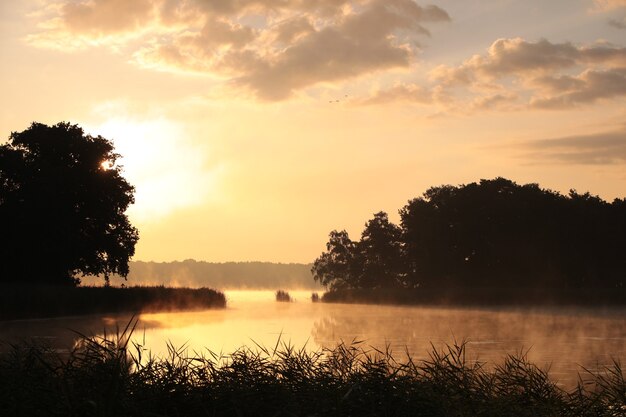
[561, 339]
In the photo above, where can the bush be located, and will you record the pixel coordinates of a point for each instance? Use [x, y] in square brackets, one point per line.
[283, 296]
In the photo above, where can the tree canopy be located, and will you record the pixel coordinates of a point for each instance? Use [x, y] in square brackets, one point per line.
[494, 233]
[62, 207]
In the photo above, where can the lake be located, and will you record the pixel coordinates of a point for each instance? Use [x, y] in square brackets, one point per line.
[561, 339]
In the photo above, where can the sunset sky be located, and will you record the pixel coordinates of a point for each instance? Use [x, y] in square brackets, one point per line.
[251, 128]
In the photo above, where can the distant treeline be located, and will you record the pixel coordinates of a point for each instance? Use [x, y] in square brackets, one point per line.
[228, 275]
[491, 234]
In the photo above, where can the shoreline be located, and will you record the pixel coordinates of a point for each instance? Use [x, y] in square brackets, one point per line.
[20, 302]
[485, 297]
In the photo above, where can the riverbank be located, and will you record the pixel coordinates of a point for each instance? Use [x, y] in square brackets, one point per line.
[110, 377]
[22, 302]
[523, 297]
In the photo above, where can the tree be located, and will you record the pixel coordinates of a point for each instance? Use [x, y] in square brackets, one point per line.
[381, 250]
[62, 207]
[491, 234]
[337, 267]
[373, 262]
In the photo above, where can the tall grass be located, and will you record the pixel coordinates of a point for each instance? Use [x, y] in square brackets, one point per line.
[110, 376]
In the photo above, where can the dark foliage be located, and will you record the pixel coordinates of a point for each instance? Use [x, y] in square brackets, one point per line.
[491, 234]
[37, 301]
[110, 377]
[283, 296]
[62, 207]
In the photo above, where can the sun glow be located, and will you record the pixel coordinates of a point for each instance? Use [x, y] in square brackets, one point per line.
[168, 171]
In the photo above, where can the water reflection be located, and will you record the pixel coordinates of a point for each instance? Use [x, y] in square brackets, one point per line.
[562, 339]
[61, 333]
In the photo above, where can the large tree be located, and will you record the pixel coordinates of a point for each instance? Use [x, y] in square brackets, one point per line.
[491, 234]
[375, 261]
[338, 267]
[380, 249]
[62, 207]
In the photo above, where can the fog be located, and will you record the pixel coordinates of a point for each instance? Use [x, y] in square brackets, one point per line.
[229, 275]
[561, 339]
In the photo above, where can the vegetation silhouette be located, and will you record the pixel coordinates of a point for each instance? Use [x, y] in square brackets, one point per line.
[111, 376]
[490, 237]
[283, 296]
[55, 301]
[62, 207]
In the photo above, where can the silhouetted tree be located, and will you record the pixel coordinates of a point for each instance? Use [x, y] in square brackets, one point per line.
[500, 234]
[373, 262]
[338, 268]
[380, 249]
[62, 207]
[494, 233]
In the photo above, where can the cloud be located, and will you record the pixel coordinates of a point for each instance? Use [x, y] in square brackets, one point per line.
[518, 74]
[588, 87]
[362, 43]
[290, 30]
[106, 16]
[542, 74]
[520, 58]
[411, 93]
[499, 101]
[618, 24]
[606, 5]
[272, 48]
[74, 25]
[592, 149]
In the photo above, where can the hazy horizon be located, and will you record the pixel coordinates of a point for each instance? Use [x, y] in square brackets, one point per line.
[251, 129]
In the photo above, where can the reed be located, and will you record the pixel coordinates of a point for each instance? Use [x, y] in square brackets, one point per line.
[111, 376]
[36, 301]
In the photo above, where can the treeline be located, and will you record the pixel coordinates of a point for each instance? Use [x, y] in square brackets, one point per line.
[491, 234]
[228, 275]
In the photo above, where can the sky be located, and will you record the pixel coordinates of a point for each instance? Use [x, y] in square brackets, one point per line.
[252, 128]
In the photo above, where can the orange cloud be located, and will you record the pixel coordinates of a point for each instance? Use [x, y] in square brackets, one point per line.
[537, 69]
[411, 93]
[100, 17]
[605, 5]
[520, 58]
[515, 73]
[269, 47]
[588, 87]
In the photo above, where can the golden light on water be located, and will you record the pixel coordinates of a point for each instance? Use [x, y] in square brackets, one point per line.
[562, 339]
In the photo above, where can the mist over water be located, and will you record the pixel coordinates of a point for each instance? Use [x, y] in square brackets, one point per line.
[561, 339]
